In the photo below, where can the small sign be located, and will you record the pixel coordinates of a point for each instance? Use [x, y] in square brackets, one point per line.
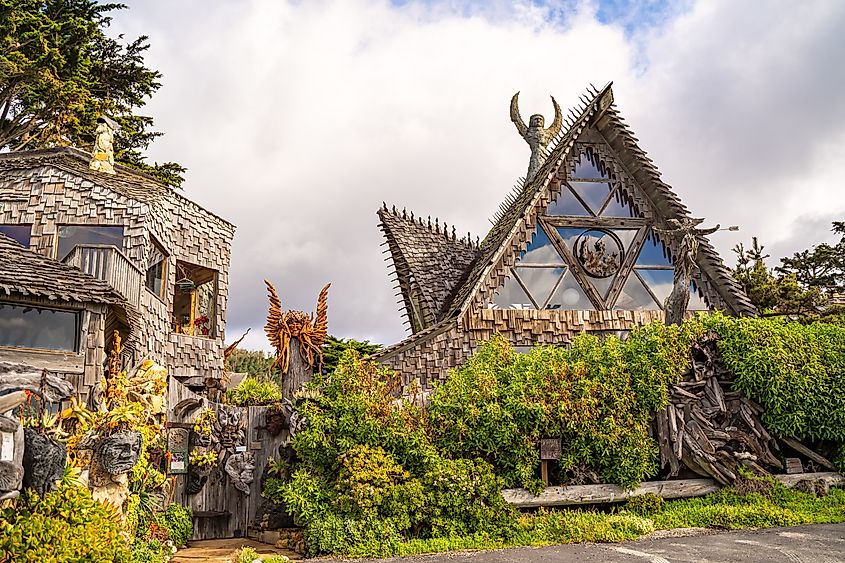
[177, 462]
[550, 448]
[240, 449]
[177, 447]
[7, 446]
[793, 466]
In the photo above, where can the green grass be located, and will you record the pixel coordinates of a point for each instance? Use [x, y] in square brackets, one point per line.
[725, 508]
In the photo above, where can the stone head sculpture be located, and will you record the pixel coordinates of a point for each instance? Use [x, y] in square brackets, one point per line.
[119, 452]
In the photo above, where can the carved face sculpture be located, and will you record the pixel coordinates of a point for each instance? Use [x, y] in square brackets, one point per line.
[119, 452]
[536, 120]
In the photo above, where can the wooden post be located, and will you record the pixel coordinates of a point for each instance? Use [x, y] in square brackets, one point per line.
[544, 471]
[299, 372]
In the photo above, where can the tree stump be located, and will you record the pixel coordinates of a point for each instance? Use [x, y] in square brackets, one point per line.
[299, 372]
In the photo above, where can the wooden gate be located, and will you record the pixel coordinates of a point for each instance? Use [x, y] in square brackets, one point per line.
[220, 510]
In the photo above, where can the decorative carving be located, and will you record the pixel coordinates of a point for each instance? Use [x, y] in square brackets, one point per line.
[119, 452]
[240, 468]
[537, 137]
[228, 431]
[196, 481]
[297, 338]
[685, 232]
[599, 252]
[43, 461]
[102, 157]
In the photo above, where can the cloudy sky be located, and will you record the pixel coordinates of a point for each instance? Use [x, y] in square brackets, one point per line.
[297, 119]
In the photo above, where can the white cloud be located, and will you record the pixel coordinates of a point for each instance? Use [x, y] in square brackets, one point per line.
[297, 119]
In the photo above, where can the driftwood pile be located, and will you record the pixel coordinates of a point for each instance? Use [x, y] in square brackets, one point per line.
[708, 427]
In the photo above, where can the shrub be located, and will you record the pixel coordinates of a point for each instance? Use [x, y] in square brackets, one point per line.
[251, 392]
[64, 525]
[597, 396]
[369, 478]
[244, 555]
[179, 523]
[796, 371]
[645, 505]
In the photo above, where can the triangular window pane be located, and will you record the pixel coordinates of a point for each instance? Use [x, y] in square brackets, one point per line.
[626, 237]
[653, 253]
[511, 296]
[594, 194]
[566, 204]
[569, 295]
[602, 285]
[635, 297]
[619, 206]
[589, 166]
[696, 302]
[540, 250]
[570, 235]
[540, 281]
[660, 282]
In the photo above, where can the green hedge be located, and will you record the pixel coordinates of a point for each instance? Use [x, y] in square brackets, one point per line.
[64, 525]
[597, 396]
[379, 476]
[796, 371]
[370, 479]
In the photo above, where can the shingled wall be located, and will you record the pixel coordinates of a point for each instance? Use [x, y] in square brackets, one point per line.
[52, 188]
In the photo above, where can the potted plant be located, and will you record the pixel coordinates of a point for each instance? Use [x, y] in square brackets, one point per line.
[200, 464]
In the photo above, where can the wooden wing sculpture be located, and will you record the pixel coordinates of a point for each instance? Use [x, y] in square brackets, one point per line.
[309, 330]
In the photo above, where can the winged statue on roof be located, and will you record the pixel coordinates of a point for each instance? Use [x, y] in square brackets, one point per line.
[536, 134]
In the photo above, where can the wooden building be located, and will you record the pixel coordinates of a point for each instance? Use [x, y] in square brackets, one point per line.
[574, 249]
[57, 317]
[152, 251]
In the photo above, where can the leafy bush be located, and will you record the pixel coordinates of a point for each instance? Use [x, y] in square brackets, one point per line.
[252, 392]
[796, 371]
[369, 477]
[597, 396]
[64, 525]
[645, 505]
[244, 555]
[178, 521]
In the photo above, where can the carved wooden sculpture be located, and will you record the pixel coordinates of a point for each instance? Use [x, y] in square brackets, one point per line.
[687, 234]
[240, 468]
[297, 338]
[36, 460]
[537, 137]
[102, 156]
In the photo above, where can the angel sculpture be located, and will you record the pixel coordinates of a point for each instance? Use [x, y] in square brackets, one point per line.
[684, 229]
[537, 137]
[297, 330]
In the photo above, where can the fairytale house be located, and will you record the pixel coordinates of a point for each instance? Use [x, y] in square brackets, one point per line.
[152, 262]
[585, 244]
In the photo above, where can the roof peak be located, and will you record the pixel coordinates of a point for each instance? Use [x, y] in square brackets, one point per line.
[436, 227]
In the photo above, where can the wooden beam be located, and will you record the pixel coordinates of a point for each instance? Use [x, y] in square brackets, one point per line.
[680, 488]
[802, 449]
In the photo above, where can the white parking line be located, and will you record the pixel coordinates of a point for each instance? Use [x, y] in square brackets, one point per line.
[654, 558]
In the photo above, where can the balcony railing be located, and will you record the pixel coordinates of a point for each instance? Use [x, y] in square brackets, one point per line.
[111, 265]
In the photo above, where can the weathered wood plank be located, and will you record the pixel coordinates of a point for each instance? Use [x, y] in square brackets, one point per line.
[680, 488]
[592, 494]
[801, 448]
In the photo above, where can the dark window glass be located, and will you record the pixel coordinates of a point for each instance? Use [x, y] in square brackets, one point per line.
[74, 235]
[156, 269]
[19, 233]
[33, 327]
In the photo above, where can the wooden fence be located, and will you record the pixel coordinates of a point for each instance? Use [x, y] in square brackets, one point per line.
[220, 510]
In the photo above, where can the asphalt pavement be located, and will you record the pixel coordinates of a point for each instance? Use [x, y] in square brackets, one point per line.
[824, 543]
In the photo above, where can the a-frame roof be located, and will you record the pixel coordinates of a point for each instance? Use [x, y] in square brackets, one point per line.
[596, 111]
[428, 259]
